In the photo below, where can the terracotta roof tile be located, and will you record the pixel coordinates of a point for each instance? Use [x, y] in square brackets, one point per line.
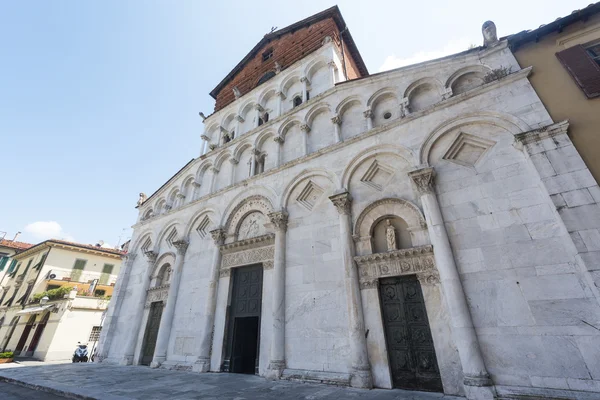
[15, 245]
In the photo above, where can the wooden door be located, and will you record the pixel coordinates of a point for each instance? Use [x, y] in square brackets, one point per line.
[413, 363]
[151, 333]
[25, 335]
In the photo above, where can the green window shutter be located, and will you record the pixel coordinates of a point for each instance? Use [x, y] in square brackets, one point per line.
[28, 265]
[108, 268]
[41, 263]
[77, 269]
[3, 262]
[12, 266]
[12, 275]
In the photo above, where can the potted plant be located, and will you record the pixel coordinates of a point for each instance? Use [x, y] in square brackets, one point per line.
[6, 357]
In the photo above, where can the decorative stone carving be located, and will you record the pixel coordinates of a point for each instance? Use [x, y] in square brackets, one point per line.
[240, 245]
[180, 196]
[252, 203]
[416, 260]
[218, 235]
[268, 265]
[279, 220]
[151, 256]
[142, 199]
[377, 175]
[159, 293]
[201, 114]
[212, 146]
[234, 161]
[309, 196]
[277, 67]
[196, 184]
[236, 92]
[225, 272]
[281, 95]
[326, 40]
[305, 128]
[368, 113]
[215, 170]
[259, 108]
[246, 257]
[342, 201]
[204, 137]
[203, 226]
[181, 246]
[423, 179]
[239, 118]
[279, 139]
[467, 150]
[540, 134]
[429, 278]
[337, 120]
[305, 79]
[370, 284]
[488, 30]
[252, 225]
[390, 236]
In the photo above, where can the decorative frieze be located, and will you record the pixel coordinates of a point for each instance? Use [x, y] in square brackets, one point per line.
[247, 257]
[416, 260]
[543, 133]
[159, 293]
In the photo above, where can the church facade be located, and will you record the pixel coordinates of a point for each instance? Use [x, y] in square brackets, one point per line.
[404, 229]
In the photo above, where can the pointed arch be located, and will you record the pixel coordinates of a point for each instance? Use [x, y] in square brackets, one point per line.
[506, 121]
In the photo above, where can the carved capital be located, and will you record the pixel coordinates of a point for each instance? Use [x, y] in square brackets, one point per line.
[430, 278]
[255, 152]
[151, 256]
[337, 120]
[268, 265]
[218, 236]
[332, 64]
[214, 169]
[204, 137]
[342, 202]
[239, 118]
[423, 179]
[180, 196]
[212, 146]
[225, 272]
[305, 79]
[281, 95]
[223, 130]
[279, 139]
[305, 128]
[234, 161]
[368, 113]
[181, 246]
[370, 284]
[196, 184]
[279, 219]
[259, 108]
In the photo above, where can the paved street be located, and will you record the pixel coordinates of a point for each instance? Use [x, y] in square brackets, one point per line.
[119, 382]
[14, 392]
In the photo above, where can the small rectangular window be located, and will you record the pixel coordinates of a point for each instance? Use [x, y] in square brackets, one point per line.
[594, 52]
[582, 62]
[77, 269]
[267, 55]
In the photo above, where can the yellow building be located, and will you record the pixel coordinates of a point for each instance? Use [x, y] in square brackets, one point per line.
[565, 55]
[55, 296]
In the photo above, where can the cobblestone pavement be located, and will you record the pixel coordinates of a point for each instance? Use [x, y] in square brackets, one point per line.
[8, 391]
[98, 381]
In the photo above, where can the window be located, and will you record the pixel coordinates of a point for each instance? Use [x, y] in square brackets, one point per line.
[107, 270]
[78, 269]
[95, 334]
[307, 95]
[264, 119]
[268, 54]
[100, 293]
[3, 261]
[583, 63]
[297, 101]
[265, 78]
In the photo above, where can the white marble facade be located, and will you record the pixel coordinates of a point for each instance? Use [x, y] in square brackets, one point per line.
[499, 214]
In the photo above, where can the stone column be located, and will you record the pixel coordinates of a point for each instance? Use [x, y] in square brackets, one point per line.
[361, 370]
[332, 69]
[305, 129]
[238, 125]
[259, 111]
[477, 382]
[279, 140]
[213, 181]
[205, 139]
[195, 190]
[138, 306]
[280, 99]
[305, 83]
[114, 309]
[337, 122]
[277, 356]
[234, 164]
[166, 320]
[369, 117]
[202, 363]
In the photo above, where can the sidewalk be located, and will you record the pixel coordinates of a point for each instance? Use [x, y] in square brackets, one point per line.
[97, 381]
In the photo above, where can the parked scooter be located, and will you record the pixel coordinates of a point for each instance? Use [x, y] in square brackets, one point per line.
[81, 353]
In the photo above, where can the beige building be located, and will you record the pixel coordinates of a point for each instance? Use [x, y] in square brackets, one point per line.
[77, 280]
[8, 249]
[565, 56]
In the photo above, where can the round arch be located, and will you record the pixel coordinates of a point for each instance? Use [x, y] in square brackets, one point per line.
[481, 68]
[304, 175]
[314, 111]
[424, 81]
[346, 103]
[381, 93]
[178, 225]
[208, 211]
[287, 125]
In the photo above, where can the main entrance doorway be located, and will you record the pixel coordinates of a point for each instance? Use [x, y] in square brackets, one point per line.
[412, 357]
[243, 327]
[25, 335]
[151, 334]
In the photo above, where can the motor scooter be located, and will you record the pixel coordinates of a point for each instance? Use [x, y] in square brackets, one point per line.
[81, 353]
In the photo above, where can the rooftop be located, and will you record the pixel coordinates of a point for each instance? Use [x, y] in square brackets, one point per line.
[58, 242]
[15, 245]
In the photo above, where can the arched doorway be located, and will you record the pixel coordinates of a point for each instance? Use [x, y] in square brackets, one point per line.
[25, 335]
[155, 301]
[38, 334]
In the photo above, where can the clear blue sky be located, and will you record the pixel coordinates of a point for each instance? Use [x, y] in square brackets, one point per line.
[99, 100]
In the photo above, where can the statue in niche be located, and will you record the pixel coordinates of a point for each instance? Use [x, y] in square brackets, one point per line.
[488, 30]
[142, 199]
[390, 235]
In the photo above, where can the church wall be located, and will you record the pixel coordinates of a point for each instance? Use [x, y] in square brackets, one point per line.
[526, 297]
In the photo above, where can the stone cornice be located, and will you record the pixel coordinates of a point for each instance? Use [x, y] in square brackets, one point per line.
[545, 132]
[259, 241]
[396, 254]
[521, 74]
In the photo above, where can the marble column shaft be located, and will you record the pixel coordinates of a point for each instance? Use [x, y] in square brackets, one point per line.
[139, 311]
[203, 361]
[166, 320]
[277, 356]
[361, 370]
[463, 331]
